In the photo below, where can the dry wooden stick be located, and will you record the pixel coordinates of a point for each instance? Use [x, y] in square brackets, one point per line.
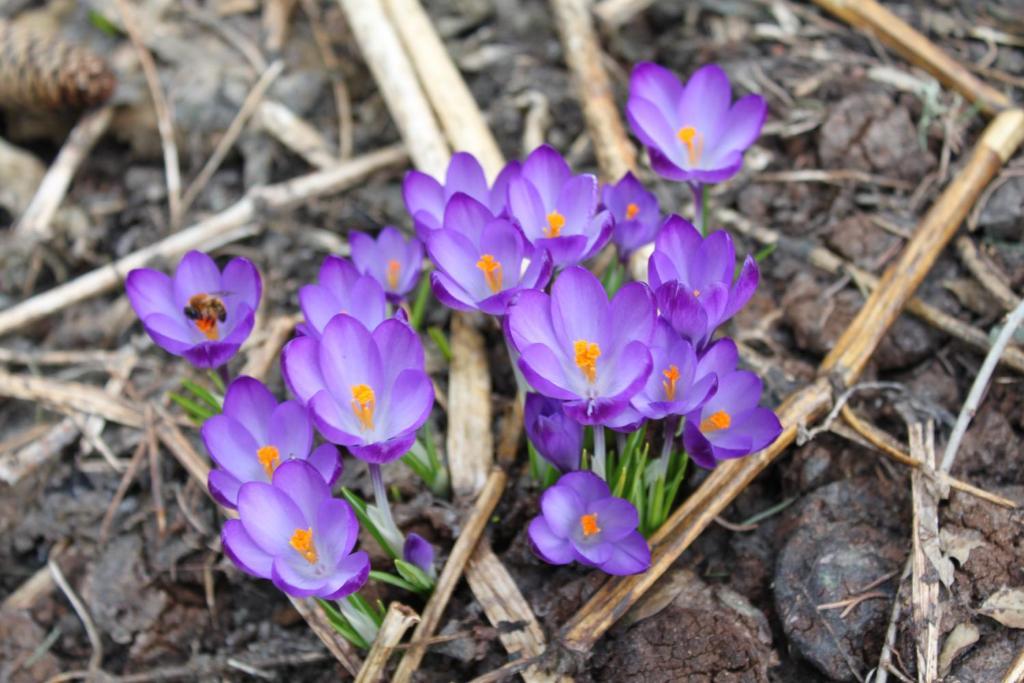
[397, 621]
[35, 222]
[231, 224]
[16, 466]
[1015, 674]
[70, 397]
[461, 118]
[844, 365]
[96, 657]
[828, 261]
[397, 82]
[925, 554]
[885, 443]
[504, 604]
[985, 273]
[614, 13]
[465, 542]
[470, 444]
[164, 116]
[342, 100]
[227, 141]
[615, 153]
[296, 134]
[335, 644]
[262, 357]
[871, 16]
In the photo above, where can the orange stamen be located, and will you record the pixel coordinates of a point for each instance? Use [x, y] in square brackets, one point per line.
[302, 541]
[589, 524]
[270, 458]
[492, 272]
[716, 422]
[671, 377]
[394, 268]
[363, 401]
[631, 211]
[694, 142]
[556, 222]
[696, 294]
[208, 326]
[587, 354]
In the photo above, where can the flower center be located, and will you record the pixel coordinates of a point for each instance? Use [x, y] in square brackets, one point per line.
[302, 541]
[715, 422]
[671, 377]
[492, 272]
[556, 222]
[394, 268]
[696, 294]
[631, 211]
[587, 354]
[363, 401]
[694, 142]
[589, 525]
[270, 458]
[206, 310]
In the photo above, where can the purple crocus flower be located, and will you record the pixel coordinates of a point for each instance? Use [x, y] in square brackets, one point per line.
[636, 213]
[555, 435]
[581, 520]
[294, 533]
[694, 132]
[200, 313]
[426, 199]
[366, 391]
[419, 552]
[730, 424]
[393, 260]
[341, 289]
[672, 389]
[480, 259]
[556, 210]
[703, 269]
[254, 435]
[577, 347]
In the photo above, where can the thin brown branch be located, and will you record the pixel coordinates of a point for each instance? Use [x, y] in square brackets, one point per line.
[986, 273]
[470, 444]
[397, 621]
[925, 575]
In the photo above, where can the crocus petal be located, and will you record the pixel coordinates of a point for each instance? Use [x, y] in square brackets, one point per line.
[251, 403]
[232, 447]
[590, 553]
[352, 573]
[291, 575]
[300, 365]
[318, 306]
[348, 357]
[697, 446]
[248, 556]
[658, 85]
[196, 274]
[384, 452]
[632, 367]
[742, 124]
[304, 485]
[363, 249]
[655, 130]
[400, 349]
[412, 398]
[419, 552]
[714, 262]
[545, 372]
[529, 321]
[337, 425]
[336, 529]
[150, 292]
[422, 193]
[327, 461]
[587, 485]
[719, 358]
[705, 100]
[744, 288]
[223, 487]
[579, 309]
[467, 216]
[169, 333]
[549, 547]
[577, 201]
[632, 310]
[290, 430]
[269, 516]
[562, 508]
[466, 175]
[616, 518]
[547, 171]
[210, 355]
[449, 293]
[565, 251]
[527, 207]
[737, 392]
[630, 555]
[242, 281]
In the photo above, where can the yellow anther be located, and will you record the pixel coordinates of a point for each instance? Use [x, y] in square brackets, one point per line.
[208, 326]
[270, 458]
[587, 354]
[363, 401]
[394, 268]
[694, 142]
[716, 422]
[631, 211]
[556, 222]
[302, 541]
[671, 377]
[492, 272]
[696, 294]
[589, 524]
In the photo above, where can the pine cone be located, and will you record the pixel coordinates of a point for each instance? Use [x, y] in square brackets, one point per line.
[43, 72]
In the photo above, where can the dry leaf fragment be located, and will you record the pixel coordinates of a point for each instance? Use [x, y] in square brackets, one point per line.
[1006, 606]
[960, 638]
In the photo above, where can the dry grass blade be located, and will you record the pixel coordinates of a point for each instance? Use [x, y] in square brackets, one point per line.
[34, 223]
[506, 609]
[340, 648]
[986, 273]
[1015, 674]
[296, 134]
[615, 153]
[70, 398]
[873, 17]
[231, 224]
[614, 13]
[461, 118]
[397, 621]
[926, 553]
[470, 443]
[96, 657]
[261, 357]
[465, 542]
[396, 79]
[844, 364]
